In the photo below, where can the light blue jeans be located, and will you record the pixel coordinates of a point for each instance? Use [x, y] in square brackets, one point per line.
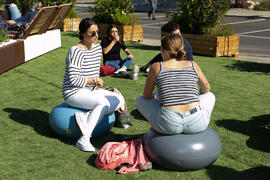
[167, 121]
[117, 64]
[14, 12]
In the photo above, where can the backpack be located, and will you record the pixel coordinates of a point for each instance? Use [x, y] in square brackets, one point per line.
[122, 119]
[125, 156]
[106, 70]
[16, 30]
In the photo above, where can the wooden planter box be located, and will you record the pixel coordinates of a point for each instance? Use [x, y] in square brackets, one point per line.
[128, 32]
[12, 55]
[213, 46]
[71, 24]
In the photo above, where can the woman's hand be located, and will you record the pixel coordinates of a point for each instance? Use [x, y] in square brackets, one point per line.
[117, 38]
[11, 22]
[99, 82]
[130, 56]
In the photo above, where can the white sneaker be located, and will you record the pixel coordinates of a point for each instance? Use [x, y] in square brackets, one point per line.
[119, 70]
[81, 119]
[134, 72]
[84, 144]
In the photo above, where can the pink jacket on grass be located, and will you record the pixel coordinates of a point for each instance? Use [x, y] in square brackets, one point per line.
[113, 154]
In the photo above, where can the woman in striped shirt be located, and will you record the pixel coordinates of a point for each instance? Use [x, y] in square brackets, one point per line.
[179, 106]
[81, 78]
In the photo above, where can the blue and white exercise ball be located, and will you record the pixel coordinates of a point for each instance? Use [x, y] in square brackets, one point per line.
[62, 121]
[183, 152]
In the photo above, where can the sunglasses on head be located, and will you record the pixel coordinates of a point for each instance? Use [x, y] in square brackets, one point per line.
[94, 33]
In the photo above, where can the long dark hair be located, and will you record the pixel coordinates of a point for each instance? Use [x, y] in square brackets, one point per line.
[84, 25]
[108, 35]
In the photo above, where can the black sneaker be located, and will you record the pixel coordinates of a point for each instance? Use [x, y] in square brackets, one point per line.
[144, 68]
[122, 74]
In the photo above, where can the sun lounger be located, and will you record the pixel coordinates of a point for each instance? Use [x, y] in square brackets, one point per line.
[47, 18]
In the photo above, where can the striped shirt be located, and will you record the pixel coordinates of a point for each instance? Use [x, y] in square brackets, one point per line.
[80, 64]
[177, 86]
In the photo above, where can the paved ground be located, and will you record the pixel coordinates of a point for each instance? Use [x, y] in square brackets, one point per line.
[164, 6]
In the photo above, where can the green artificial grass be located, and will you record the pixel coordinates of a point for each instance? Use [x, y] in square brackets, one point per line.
[29, 149]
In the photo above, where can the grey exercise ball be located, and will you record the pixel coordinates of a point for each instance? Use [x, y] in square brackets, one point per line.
[183, 151]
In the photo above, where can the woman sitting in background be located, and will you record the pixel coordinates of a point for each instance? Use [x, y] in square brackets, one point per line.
[111, 46]
[179, 107]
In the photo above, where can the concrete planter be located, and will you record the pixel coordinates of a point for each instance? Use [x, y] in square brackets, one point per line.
[128, 32]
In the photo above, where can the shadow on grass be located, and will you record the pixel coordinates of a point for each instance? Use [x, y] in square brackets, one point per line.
[259, 136]
[135, 45]
[250, 67]
[37, 119]
[137, 115]
[220, 172]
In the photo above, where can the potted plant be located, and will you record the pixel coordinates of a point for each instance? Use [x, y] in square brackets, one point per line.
[118, 12]
[200, 23]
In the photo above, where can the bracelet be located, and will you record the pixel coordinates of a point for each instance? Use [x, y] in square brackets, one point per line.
[95, 79]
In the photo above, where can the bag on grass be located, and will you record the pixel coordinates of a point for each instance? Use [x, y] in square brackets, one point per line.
[125, 156]
[16, 29]
[106, 70]
[121, 116]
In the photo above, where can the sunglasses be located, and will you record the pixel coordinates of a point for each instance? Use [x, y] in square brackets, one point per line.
[94, 33]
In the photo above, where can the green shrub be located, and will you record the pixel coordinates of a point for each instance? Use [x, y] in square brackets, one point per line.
[199, 16]
[72, 13]
[263, 6]
[220, 30]
[1, 2]
[3, 36]
[114, 12]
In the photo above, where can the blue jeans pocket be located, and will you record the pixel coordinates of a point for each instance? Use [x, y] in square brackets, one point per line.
[197, 123]
[171, 122]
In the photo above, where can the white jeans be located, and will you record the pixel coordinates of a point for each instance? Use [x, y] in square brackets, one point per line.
[167, 121]
[99, 102]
